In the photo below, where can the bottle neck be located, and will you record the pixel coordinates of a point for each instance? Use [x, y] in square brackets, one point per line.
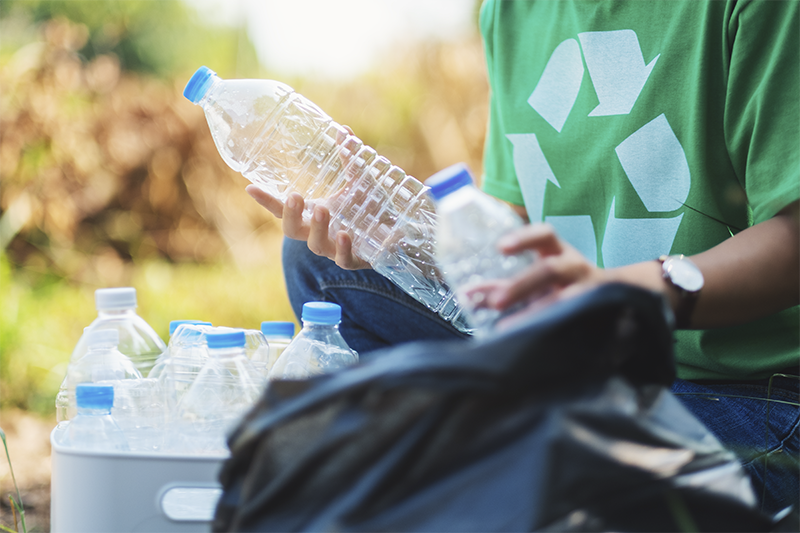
[316, 325]
[98, 348]
[207, 97]
[226, 353]
[116, 313]
[93, 411]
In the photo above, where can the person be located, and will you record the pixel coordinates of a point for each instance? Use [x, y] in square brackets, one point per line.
[626, 132]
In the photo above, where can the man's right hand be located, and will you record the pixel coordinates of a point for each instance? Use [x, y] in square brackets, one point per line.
[314, 232]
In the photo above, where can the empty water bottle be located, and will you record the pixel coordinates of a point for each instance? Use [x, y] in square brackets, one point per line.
[116, 310]
[281, 141]
[102, 362]
[319, 348]
[158, 368]
[279, 335]
[93, 428]
[256, 347]
[470, 224]
[188, 354]
[139, 411]
[226, 386]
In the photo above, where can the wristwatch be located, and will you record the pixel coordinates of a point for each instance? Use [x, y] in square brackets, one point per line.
[684, 275]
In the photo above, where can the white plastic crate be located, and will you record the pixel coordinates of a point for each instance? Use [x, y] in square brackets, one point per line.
[122, 492]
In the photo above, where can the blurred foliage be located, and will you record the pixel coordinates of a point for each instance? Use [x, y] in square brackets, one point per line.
[109, 177]
[40, 323]
[152, 37]
[424, 108]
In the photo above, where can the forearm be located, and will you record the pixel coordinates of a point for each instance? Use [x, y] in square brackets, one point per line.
[751, 275]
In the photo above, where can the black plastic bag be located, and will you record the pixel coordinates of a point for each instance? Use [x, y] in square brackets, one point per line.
[563, 423]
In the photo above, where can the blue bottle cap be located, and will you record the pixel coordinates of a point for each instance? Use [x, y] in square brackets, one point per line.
[448, 180]
[94, 395]
[228, 339]
[173, 325]
[322, 313]
[198, 84]
[285, 329]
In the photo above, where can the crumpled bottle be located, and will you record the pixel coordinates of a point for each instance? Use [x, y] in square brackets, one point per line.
[226, 386]
[318, 348]
[102, 362]
[281, 141]
[279, 334]
[158, 368]
[94, 428]
[116, 309]
[470, 224]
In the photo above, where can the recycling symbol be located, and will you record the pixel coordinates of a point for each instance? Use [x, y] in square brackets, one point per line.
[652, 158]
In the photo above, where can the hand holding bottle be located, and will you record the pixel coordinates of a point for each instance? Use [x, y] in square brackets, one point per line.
[314, 231]
[293, 152]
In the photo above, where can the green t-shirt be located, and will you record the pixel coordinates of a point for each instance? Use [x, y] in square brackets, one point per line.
[646, 128]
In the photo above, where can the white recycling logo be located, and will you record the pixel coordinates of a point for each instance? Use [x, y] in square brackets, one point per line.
[652, 157]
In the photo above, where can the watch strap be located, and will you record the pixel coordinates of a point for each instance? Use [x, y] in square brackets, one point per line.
[686, 301]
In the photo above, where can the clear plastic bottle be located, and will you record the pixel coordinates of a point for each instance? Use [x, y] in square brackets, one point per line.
[140, 412]
[116, 309]
[281, 141]
[188, 354]
[226, 386]
[175, 324]
[319, 348]
[256, 347]
[93, 428]
[102, 362]
[158, 368]
[470, 224]
[279, 335]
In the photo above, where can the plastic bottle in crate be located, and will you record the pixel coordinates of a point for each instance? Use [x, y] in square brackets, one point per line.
[93, 428]
[319, 348]
[158, 368]
[188, 353]
[226, 386]
[281, 141]
[470, 224]
[256, 347]
[102, 362]
[279, 334]
[116, 310]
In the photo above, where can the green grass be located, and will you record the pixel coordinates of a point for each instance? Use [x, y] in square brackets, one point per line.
[42, 317]
[17, 508]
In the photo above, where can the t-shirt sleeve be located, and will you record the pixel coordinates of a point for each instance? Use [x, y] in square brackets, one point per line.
[499, 177]
[762, 109]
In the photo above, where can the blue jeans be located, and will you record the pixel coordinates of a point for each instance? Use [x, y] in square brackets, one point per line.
[760, 425]
[375, 313]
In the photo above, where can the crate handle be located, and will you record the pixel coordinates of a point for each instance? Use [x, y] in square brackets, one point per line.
[189, 502]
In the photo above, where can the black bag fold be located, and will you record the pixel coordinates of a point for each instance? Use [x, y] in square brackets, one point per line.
[563, 423]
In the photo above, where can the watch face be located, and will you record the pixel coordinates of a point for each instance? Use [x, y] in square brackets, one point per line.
[684, 274]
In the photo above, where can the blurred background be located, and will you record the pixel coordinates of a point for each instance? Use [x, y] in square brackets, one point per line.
[109, 177]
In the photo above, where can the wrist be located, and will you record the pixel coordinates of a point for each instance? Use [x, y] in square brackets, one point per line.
[646, 275]
[686, 281]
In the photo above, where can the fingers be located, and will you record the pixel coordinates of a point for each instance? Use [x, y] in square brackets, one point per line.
[340, 136]
[315, 231]
[539, 237]
[545, 275]
[294, 226]
[340, 250]
[318, 240]
[266, 200]
[345, 257]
